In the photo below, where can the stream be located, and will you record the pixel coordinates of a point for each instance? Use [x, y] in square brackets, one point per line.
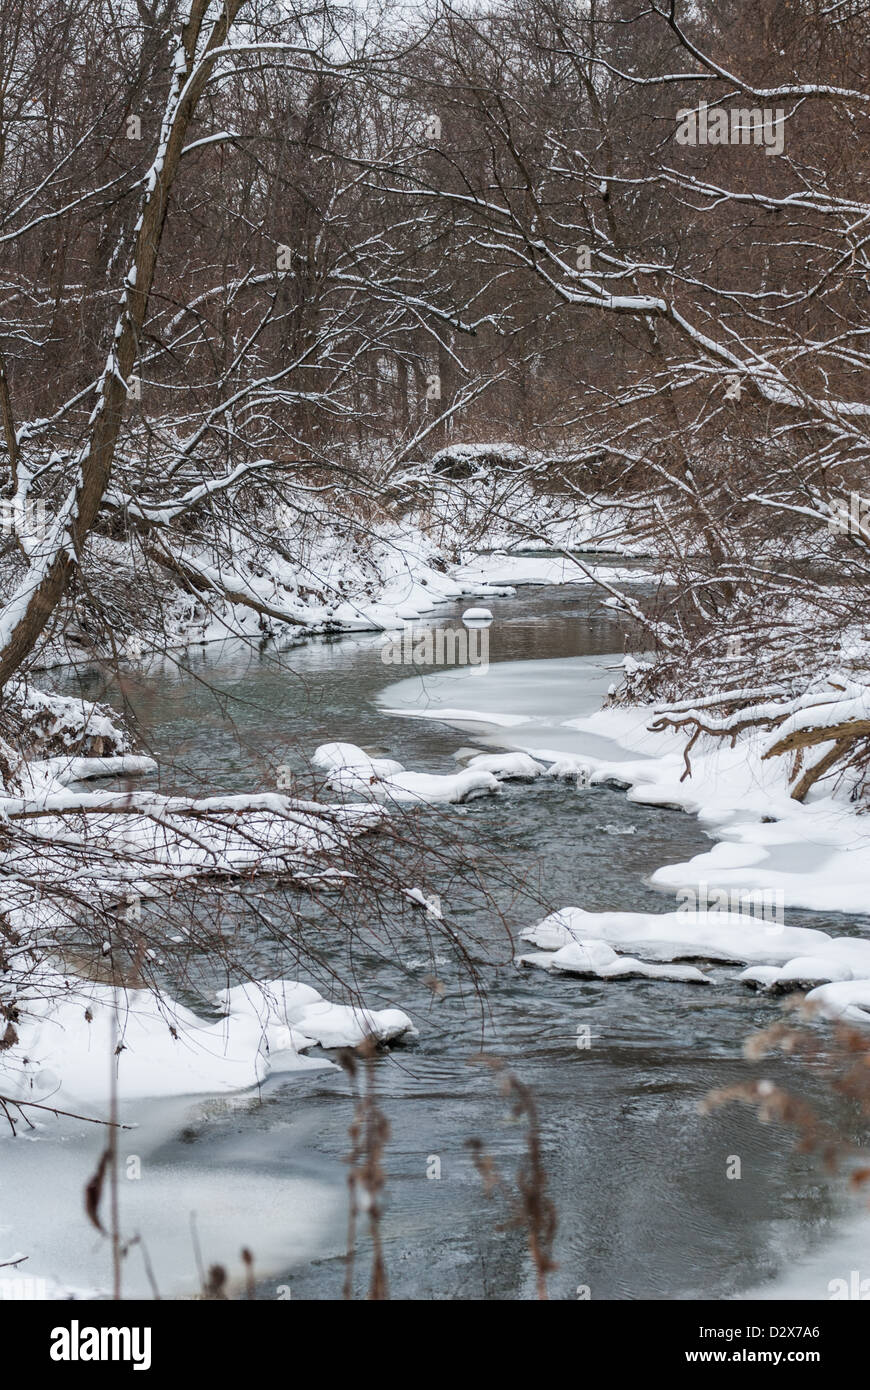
[638, 1175]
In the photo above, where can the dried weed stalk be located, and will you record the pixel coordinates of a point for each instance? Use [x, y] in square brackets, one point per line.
[533, 1211]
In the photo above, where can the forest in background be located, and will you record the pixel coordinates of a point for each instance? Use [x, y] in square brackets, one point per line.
[279, 252]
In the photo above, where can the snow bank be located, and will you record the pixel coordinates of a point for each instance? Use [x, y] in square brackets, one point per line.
[515, 569]
[316, 569]
[54, 773]
[70, 1032]
[816, 855]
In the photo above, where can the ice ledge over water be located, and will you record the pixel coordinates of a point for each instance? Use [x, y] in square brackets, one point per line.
[715, 936]
[835, 969]
[596, 960]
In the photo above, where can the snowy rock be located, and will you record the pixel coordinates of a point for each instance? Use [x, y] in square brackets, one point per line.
[332, 756]
[341, 1025]
[569, 767]
[842, 958]
[285, 1004]
[508, 766]
[427, 787]
[801, 973]
[759, 976]
[582, 957]
[596, 960]
[725, 936]
[846, 1000]
[353, 772]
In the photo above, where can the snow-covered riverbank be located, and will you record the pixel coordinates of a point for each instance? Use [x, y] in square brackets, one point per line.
[315, 569]
[771, 852]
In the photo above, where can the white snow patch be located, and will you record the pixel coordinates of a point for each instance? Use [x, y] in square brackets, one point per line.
[70, 1030]
[719, 936]
[332, 756]
[847, 1000]
[508, 766]
[353, 772]
[597, 960]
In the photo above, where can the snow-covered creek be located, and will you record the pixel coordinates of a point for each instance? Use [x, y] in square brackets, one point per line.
[637, 1173]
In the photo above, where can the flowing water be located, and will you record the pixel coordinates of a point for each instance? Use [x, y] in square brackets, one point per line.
[638, 1175]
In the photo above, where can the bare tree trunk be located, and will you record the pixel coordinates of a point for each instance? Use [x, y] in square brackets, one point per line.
[33, 604]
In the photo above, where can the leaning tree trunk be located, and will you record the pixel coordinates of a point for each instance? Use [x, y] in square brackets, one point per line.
[25, 616]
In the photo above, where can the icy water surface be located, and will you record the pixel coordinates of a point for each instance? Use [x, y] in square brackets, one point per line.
[638, 1175]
